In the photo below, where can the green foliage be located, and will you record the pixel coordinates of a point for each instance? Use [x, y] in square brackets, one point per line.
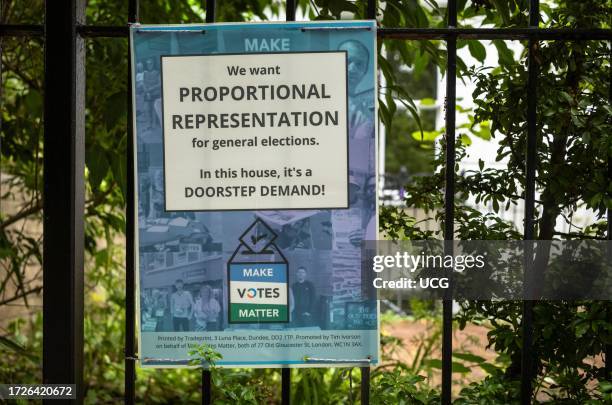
[398, 387]
[494, 389]
[204, 356]
[573, 147]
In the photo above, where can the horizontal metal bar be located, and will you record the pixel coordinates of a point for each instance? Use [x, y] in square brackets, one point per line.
[21, 30]
[336, 361]
[304, 29]
[156, 360]
[564, 34]
[496, 33]
[103, 31]
[154, 31]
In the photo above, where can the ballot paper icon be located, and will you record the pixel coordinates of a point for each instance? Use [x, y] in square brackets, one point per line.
[258, 278]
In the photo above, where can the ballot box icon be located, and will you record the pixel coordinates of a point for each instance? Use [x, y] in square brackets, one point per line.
[258, 278]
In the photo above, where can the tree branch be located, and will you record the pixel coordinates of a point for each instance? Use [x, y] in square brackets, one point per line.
[22, 214]
[22, 295]
[578, 235]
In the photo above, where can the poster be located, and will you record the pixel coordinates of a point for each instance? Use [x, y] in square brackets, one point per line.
[255, 186]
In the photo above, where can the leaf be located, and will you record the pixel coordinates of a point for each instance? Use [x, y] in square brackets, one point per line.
[461, 43]
[386, 68]
[385, 114]
[428, 101]
[460, 368]
[484, 130]
[567, 97]
[502, 9]
[115, 108]
[433, 363]
[119, 169]
[97, 164]
[469, 357]
[457, 367]
[582, 328]
[488, 368]
[421, 61]
[425, 136]
[477, 50]
[34, 102]
[504, 55]
[17, 348]
[465, 140]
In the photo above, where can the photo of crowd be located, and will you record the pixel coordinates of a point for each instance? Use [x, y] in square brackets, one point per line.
[181, 309]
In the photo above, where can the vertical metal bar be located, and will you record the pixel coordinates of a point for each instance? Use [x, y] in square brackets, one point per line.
[365, 385]
[285, 386]
[64, 193]
[206, 387]
[530, 170]
[290, 7]
[211, 11]
[1, 88]
[130, 251]
[365, 371]
[608, 348]
[211, 16]
[449, 198]
[371, 10]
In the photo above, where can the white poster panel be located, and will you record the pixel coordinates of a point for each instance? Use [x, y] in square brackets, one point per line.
[255, 131]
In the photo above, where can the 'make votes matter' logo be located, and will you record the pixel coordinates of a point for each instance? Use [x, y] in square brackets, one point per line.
[258, 278]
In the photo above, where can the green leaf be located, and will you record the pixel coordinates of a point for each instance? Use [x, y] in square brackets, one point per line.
[566, 97]
[17, 348]
[115, 108]
[483, 131]
[469, 357]
[425, 136]
[119, 169]
[97, 164]
[428, 101]
[504, 55]
[488, 368]
[461, 43]
[460, 368]
[502, 9]
[437, 364]
[477, 50]
[421, 61]
[433, 363]
[465, 140]
[34, 102]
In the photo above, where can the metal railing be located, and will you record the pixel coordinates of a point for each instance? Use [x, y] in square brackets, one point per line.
[64, 32]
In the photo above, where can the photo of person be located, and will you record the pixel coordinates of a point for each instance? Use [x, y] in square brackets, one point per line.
[366, 197]
[358, 59]
[206, 310]
[181, 307]
[295, 235]
[159, 309]
[156, 209]
[151, 84]
[304, 299]
[361, 106]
